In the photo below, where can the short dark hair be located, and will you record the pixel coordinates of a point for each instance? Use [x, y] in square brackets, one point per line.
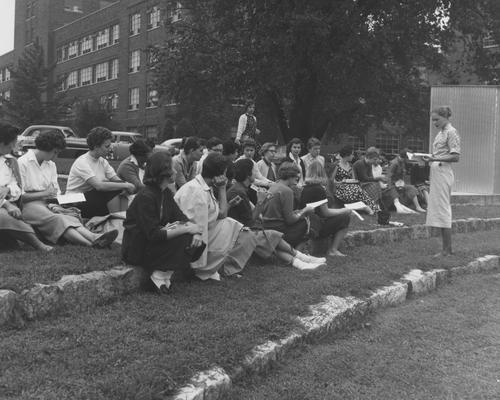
[97, 136]
[249, 103]
[346, 151]
[158, 166]
[372, 152]
[139, 148]
[229, 147]
[191, 143]
[249, 143]
[215, 164]
[50, 140]
[243, 169]
[213, 141]
[288, 170]
[7, 133]
[291, 143]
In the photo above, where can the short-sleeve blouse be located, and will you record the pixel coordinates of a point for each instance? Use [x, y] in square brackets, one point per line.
[446, 142]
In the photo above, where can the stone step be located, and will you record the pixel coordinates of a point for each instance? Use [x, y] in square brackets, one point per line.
[475, 199]
[76, 292]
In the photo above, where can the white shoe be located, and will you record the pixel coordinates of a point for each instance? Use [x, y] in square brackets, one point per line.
[302, 265]
[310, 259]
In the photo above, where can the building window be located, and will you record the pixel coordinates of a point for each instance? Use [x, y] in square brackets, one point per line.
[175, 13]
[388, 144]
[115, 34]
[135, 24]
[61, 83]
[73, 6]
[64, 53]
[86, 76]
[101, 72]
[133, 99]
[87, 44]
[114, 101]
[73, 49]
[59, 54]
[154, 17]
[30, 9]
[103, 38]
[151, 131]
[357, 142]
[114, 69]
[6, 95]
[489, 41]
[1, 75]
[72, 80]
[7, 74]
[134, 61]
[152, 100]
[416, 144]
[153, 57]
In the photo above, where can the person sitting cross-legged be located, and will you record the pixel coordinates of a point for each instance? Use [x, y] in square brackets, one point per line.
[157, 234]
[269, 242]
[40, 188]
[92, 175]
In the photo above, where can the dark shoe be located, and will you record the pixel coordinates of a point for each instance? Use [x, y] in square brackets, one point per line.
[105, 239]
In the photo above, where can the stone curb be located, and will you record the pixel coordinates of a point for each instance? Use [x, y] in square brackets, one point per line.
[398, 234]
[75, 292]
[333, 314]
[71, 292]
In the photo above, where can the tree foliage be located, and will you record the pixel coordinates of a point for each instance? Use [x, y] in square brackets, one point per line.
[33, 99]
[318, 66]
[89, 114]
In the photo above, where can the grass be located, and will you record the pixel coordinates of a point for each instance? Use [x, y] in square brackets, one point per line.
[21, 269]
[143, 343]
[443, 346]
[459, 212]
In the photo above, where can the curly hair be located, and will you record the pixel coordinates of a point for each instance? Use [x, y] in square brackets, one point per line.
[346, 151]
[313, 142]
[7, 133]
[158, 166]
[249, 143]
[292, 142]
[140, 148]
[288, 170]
[191, 143]
[443, 111]
[50, 140]
[97, 136]
[215, 164]
[243, 169]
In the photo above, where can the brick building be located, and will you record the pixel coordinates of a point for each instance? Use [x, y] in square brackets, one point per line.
[100, 51]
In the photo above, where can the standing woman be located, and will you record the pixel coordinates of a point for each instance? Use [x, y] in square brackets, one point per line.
[445, 150]
[11, 224]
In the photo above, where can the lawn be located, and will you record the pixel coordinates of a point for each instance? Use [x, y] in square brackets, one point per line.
[443, 346]
[143, 343]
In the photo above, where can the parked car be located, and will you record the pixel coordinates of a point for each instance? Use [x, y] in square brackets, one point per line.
[121, 142]
[75, 146]
[171, 145]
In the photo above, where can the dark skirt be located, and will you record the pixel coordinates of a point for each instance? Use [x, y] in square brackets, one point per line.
[97, 203]
[293, 234]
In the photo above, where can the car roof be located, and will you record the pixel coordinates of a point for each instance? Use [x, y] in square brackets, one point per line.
[125, 133]
[49, 126]
[170, 142]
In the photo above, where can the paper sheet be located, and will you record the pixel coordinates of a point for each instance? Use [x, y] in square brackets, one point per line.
[317, 203]
[70, 198]
[412, 156]
[359, 205]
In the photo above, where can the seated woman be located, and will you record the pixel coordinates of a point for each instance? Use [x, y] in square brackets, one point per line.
[269, 242]
[92, 175]
[408, 194]
[248, 148]
[266, 165]
[12, 227]
[294, 148]
[279, 214]
[40, 186]
[350, 192]
[229, 246]
[132, 168]
[157, 235]
[334, 221]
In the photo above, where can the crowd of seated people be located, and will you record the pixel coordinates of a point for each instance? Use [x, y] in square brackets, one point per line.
[193, 215]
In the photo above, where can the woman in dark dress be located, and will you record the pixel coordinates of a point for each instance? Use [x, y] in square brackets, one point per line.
[157, 234]
[334, 221]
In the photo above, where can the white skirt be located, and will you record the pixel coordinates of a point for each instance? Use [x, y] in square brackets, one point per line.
[439, 207]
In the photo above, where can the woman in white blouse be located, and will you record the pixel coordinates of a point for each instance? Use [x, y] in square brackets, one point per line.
[40, 188]
[12, 227]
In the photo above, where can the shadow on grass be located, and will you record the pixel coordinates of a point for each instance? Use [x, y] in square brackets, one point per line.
[143, 343]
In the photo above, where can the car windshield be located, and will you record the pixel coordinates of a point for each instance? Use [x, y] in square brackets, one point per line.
[68, 133]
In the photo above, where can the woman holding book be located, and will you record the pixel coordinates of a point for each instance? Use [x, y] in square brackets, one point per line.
[40, 189]
[334, 221]
[445, 151]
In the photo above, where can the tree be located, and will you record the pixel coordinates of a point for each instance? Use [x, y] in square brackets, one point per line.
[89, 114]
[33, 99]
[168, 130]
[318, 66]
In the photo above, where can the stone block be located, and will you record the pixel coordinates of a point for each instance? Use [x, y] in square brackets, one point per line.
[206, 385]
[8, 303]
[420, 282]
[388, 296]
[442, 276]
[40, 301]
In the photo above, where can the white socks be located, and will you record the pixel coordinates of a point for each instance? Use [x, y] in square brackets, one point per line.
[309, 259]
[303, 265]
[160, 278]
